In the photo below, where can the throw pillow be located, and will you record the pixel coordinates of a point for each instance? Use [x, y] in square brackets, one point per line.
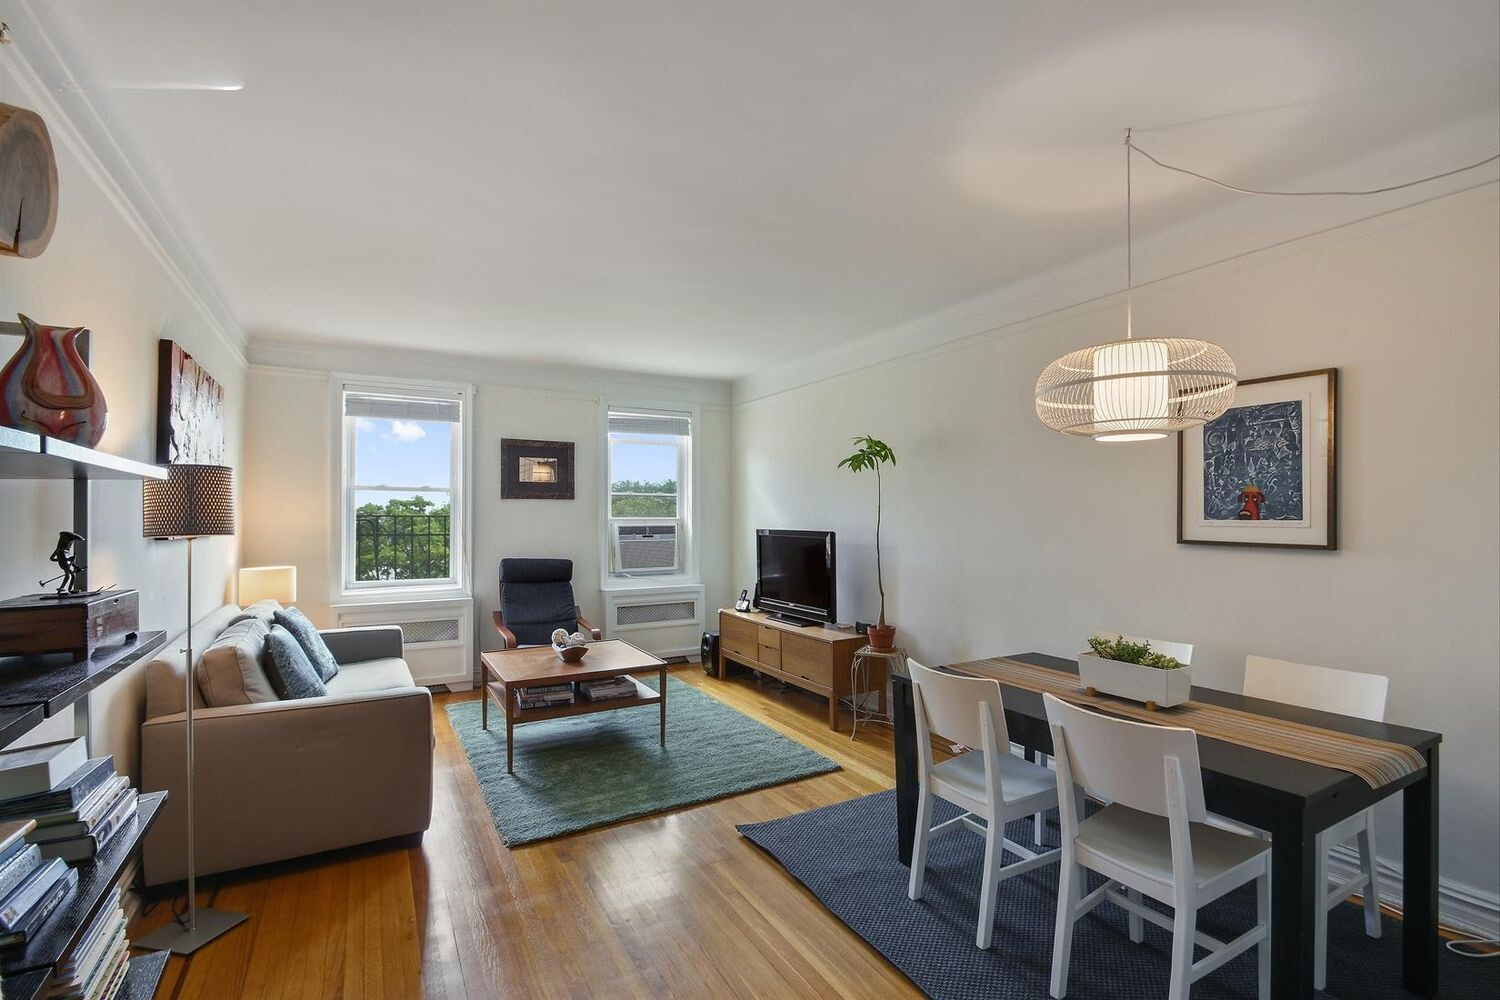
[306, 633]
[231, 670]
[260, 609]
[292, 673]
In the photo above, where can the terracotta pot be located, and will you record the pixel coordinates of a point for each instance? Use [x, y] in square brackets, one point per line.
[882, 637]
[47, 389]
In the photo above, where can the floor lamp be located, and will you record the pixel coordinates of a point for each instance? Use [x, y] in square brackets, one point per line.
[193, 501]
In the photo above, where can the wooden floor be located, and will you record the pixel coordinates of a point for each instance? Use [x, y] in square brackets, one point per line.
[676, 905]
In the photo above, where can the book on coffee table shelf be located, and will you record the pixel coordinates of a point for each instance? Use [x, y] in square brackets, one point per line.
[545, 696]
[608, 688]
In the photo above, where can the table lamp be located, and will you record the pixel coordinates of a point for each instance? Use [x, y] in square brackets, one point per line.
[193, 501]
[267, 583]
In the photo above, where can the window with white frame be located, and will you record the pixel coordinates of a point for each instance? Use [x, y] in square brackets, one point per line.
[650, 469]
[402, 486]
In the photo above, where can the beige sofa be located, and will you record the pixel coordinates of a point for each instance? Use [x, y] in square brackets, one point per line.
[283, 779]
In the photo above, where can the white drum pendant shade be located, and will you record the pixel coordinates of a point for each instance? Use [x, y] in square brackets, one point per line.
[1136, 390]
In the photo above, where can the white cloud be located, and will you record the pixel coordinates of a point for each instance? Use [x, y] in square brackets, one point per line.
[363, 424]
[406, 430]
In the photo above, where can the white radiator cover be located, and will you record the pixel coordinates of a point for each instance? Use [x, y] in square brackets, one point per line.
[438, 636]
[667, 621]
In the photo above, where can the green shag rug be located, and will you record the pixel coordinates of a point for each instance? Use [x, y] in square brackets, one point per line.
[589, 770]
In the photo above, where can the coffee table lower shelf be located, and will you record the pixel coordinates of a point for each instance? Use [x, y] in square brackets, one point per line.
[581, 706]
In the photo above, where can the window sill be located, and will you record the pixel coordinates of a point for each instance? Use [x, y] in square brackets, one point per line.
[401, 595]
[663, 581]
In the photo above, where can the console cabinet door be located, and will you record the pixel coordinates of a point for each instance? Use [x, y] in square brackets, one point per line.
[738, 635]
[807, 658]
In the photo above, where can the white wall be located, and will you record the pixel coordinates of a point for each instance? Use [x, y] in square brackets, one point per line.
[289, 503]
[1002, 536]
[102, 271]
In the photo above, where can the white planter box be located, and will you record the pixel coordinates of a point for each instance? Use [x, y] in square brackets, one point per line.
[1131, 680]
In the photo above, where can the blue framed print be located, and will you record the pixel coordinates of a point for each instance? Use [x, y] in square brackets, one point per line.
[1265, 472]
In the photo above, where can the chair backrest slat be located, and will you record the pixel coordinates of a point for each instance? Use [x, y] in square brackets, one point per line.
[1343, 692]
[1119, 761]
[951, 703]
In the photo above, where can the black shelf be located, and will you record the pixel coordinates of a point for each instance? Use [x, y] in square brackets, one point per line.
[17, 720]
[27, 985]
[28, 456]
[60, 933]
[54, 681]
[142, 979]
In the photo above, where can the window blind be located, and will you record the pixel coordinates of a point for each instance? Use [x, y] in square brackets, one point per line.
[402, 407]
[649, 422]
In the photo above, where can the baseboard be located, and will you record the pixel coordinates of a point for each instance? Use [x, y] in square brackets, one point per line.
[1460, 907]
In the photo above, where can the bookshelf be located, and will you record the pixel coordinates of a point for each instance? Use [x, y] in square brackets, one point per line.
[51, 682]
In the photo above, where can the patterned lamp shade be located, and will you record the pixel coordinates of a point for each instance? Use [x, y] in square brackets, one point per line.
[193, 500]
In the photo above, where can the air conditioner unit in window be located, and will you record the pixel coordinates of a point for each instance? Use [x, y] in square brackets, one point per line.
[645, 548]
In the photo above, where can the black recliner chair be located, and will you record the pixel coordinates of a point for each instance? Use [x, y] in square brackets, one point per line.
[536, 598]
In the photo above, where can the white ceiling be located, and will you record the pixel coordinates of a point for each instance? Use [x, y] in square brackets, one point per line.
[709, 189]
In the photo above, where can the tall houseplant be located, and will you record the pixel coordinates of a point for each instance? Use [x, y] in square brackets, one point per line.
[872, 454]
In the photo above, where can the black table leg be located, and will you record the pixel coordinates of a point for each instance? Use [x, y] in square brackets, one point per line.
[1294, 896]
[904, 722]
[1419, 898]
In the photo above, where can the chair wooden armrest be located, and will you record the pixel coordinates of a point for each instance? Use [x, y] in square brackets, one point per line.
[506, 635]
[586, 625]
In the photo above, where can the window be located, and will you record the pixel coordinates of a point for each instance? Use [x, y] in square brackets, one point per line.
[402, 487]
[649, 470]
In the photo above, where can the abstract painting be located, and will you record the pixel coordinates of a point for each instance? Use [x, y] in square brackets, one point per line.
[189, 410]
[1264, 473]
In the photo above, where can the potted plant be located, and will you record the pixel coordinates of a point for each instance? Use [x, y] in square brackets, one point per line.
[1129, 669]
[872, 454]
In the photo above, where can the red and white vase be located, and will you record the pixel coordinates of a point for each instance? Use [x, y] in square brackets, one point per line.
[47, 389]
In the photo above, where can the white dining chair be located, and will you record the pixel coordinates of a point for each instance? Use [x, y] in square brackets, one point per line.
[1182, 652]
[1155, 838]
[1343, 692]
[987, 784]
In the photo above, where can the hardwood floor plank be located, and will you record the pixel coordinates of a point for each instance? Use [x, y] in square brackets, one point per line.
[672, 905]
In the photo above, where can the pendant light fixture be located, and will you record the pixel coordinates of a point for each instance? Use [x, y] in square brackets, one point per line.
[1135, 389]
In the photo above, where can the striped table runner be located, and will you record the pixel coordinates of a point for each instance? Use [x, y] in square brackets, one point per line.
[1379, 763]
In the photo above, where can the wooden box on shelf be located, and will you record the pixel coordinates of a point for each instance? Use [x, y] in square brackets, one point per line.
[41, 623]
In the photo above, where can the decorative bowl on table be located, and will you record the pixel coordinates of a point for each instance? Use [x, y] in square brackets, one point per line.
[569, 648]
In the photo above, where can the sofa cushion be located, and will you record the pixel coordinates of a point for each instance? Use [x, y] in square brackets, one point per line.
[372, 675]
[292, 673]
[166, 675]
[306, 633]
[232, 670]
[260, 609]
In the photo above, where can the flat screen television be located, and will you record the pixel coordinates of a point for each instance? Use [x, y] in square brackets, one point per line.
[795, 577]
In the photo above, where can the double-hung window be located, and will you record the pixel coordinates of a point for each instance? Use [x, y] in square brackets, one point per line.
[402, 487]
[650, 468]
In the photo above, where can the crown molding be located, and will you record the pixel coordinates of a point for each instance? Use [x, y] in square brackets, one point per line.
[33, 60]
[1243, 229]
[278, 354]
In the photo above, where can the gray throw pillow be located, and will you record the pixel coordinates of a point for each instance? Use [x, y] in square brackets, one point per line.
[291, 672]
[306, 633]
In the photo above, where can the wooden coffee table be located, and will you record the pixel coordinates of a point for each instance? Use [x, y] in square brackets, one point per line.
[507, 671]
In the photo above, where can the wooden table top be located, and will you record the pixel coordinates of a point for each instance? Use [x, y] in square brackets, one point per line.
[534, 665]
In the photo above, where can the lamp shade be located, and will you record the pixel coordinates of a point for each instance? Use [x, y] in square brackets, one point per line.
[193, 500]
[268, 583]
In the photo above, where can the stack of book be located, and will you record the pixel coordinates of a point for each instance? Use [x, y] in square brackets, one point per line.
[607, 688]
[77, 804]
[95, 968]
[30, 888]
[547, 696]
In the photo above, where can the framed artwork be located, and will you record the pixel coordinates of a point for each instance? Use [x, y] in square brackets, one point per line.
[189, 409]
[1266, 472]
[536, 470]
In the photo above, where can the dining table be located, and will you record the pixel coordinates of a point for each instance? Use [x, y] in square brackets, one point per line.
[1292, 800]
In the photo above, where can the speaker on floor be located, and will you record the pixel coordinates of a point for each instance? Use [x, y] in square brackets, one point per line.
[709, 652]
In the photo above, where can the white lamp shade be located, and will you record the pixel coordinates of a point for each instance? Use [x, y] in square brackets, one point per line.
[268, 583]
[1130, 390]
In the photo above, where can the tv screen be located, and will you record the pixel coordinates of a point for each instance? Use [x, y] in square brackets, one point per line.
[796, 573]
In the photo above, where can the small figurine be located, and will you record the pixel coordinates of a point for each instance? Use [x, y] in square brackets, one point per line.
[1253, 499]
[67, 562]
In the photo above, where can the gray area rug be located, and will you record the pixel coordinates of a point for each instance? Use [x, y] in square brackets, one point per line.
[589, 770]
[846, 855]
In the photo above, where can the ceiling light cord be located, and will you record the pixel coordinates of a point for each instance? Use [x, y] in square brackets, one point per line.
[1129, 245]
[1129, 145]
